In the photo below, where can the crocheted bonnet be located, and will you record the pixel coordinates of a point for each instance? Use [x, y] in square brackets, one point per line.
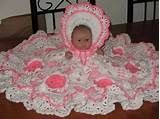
[89, 15]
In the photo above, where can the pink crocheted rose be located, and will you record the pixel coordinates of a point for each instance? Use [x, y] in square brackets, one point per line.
[118, 51]
[33, 65]
[131, 67]
[103, 83]
[56, 81]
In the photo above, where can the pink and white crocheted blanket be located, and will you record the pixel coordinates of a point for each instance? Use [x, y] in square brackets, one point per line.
[37, 74]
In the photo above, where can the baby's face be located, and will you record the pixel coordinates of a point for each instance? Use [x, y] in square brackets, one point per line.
[82, 39]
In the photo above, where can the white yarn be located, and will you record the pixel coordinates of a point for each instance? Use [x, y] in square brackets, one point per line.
[79, 101]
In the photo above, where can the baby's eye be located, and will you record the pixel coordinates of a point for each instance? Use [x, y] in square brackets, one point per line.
[79, 40]
[87, 39]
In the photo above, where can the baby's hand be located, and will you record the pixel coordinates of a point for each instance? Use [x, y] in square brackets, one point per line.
[68, 55]
[100, 51]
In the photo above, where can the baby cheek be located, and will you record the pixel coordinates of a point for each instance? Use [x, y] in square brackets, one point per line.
[76, 43]
[90, 43]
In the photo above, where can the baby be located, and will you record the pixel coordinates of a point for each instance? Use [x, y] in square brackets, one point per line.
[81, 38]
[38, 74]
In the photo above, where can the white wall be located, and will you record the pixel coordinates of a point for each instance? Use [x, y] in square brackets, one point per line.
[116, 9]
[13, 8]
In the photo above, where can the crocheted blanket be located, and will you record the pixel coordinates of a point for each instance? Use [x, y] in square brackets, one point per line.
[37, 74]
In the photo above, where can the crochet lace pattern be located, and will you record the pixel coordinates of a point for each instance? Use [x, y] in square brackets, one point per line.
[37, 74]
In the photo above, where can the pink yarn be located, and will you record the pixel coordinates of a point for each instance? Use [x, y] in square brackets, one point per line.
[82, 55]
[131, 67]
[52, 64]
[56, 81]
[118, 51]
[33, 65]
[103, 83]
